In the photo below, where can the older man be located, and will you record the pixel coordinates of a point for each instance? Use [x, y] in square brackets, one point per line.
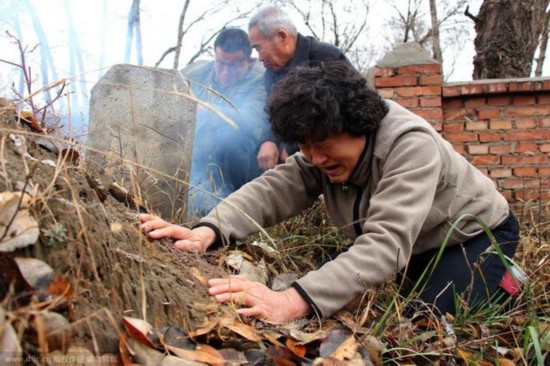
[281, 48]
[224, 157]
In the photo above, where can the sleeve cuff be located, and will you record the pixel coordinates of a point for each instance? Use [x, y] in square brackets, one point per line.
[307, 299]
[219, 242]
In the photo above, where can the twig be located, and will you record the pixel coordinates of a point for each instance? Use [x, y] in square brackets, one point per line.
[470, 15]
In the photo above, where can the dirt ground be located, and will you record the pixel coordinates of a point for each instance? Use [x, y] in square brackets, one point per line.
[103, 266]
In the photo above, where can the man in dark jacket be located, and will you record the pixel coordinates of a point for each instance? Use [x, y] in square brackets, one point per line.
[281, 48]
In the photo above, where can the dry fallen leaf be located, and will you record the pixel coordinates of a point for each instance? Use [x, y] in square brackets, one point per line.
[199, 276]
[298, 349]
[124, 351]
[9, 343]
[143, 354]
[374, 348]
[53, 331]
[38, 274]
[245, 331]
[138, 329]
[18, 228]
[202, 353]
[204, 328]
[346, 350]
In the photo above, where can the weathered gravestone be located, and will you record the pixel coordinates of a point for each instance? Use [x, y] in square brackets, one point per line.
[140, 133]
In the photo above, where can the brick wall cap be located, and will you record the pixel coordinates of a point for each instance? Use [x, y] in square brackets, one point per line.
[494, 86]
[406, 54]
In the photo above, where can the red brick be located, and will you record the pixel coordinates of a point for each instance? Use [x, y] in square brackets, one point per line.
[485, 171]
[473, 102]
[525, 123]
[453, 127]
[523, 147]
[455, 113]
[384, 71]
[431, 90]
[486, 160]
[452, 103]
[430, 102]
[459, 149]
[478, 149]
[527, 135]
[461, 137]
[409, 91]
[536, 110]
[540, 85]
[521, 183]
[500, 149]
[496, 87]
[545, 122]
[432, 113]
[407, 102]
[524, 100]
[419, 69]
[543, 98]
[500, 124]
[500, 100]
[489, 137]
[545, 148]
[525, 86]
[451, 91]
[488, 113]
[525, 172]
[476, 125]
[525, 159]
[387, 93]
[384, 82]
[500, 173]
[431, 80]
[527, 195]
[507, 194]
[471, 89]
[544, 171]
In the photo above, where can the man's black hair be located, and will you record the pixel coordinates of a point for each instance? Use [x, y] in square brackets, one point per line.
[233, 40]
[313, 101]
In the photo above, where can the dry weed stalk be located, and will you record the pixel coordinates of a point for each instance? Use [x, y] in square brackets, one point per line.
[37, 111]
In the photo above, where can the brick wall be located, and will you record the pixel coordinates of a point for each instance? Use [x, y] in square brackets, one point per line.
[501, 126]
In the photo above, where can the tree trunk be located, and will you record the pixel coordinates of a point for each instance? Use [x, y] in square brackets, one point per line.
[181, 33]
[134, 25]
[436, 43]
[507, 37]
[543, 46]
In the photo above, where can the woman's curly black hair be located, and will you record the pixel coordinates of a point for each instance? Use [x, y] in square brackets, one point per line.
[313, 101]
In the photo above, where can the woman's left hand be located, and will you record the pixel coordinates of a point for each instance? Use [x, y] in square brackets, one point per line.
[258, 300]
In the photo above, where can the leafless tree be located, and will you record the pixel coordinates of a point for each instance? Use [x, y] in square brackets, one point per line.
[134, 26]
[436, 41]
[543, 45]
[438, 26]
[342, 23]
[507, 37]
[219, 14]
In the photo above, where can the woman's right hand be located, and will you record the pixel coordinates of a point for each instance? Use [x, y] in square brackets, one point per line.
[196, 240]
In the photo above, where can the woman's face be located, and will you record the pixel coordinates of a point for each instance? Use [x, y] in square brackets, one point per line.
[336, 156]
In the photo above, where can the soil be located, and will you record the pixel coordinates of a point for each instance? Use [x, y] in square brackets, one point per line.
[104, 265]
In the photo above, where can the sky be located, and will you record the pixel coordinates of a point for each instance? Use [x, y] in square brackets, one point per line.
[99, 29]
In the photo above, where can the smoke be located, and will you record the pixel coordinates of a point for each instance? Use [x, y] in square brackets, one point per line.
[78, 43]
